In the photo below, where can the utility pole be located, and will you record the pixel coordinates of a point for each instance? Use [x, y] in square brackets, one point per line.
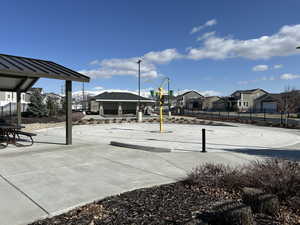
[139, 84]
[83, 98]
[169, 94]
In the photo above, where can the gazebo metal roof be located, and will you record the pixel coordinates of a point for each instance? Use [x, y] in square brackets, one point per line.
[18, 74]
[21, 73]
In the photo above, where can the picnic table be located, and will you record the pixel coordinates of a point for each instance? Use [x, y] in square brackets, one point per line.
[10, 133]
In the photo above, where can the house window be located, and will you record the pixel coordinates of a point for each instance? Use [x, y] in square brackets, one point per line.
[8, 97]
[246, 104]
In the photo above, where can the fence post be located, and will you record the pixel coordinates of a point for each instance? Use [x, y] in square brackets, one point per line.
[264, 115]
[281, 118]
[203, 141]
[250, 115]
[10, 113]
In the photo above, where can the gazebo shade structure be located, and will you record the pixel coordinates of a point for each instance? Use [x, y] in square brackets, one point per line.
[19, 74]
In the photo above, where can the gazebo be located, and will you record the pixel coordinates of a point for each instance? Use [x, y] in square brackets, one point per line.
[19, 74]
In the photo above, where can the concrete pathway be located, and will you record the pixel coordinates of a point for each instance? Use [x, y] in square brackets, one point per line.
[50, 178]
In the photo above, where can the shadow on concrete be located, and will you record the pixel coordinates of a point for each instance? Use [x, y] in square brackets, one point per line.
[208, 143]
[130, 129]
[49, 143]
[278, 153]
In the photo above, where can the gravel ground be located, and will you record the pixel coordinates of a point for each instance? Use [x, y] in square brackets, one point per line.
[38, 126]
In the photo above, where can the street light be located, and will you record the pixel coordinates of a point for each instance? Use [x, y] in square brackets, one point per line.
[139, 83]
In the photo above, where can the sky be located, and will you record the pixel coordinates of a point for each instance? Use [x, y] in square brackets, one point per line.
[212, 46]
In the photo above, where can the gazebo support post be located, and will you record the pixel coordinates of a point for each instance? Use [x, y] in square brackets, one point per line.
[68, 102]
[19, 120]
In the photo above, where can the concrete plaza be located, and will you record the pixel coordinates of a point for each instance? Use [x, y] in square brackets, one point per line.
[50, 177]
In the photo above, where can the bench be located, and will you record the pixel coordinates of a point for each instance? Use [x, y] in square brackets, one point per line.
[27, 134]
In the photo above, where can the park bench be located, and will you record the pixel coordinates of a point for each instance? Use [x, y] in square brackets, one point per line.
[26, 134]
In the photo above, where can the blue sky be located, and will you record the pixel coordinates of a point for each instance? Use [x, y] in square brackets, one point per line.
[214, 46]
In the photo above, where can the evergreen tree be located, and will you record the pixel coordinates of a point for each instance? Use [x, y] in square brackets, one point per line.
[37, 107]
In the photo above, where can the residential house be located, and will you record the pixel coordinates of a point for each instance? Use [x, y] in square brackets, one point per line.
[118, 103]
[267, 103]
[214, 103]
[8, 102]
[244, 100]
[191, 100]
[58, 99]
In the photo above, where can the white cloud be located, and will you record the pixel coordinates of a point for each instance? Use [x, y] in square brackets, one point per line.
[210, 93]
[98, 88]
[129, 66]
[209, 23]
[206, 35]
[264, 78]
[289, 76]
[122, 67]
[94, 62]
[279, 66]
[164, 56]
[260, 68]
[282, 43]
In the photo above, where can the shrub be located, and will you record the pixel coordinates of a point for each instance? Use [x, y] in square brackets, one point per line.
[279, 177]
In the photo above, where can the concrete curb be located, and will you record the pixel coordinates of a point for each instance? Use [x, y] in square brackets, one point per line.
[140, 147]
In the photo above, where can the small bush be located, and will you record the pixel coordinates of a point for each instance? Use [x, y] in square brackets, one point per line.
[279, 177]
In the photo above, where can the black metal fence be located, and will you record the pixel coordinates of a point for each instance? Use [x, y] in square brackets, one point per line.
[10, 109]
[278, 119]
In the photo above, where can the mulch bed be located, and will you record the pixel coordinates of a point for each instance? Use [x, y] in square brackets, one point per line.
[166, 204]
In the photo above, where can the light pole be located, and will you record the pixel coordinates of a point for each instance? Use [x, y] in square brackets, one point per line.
[169, 103]
[139, 84]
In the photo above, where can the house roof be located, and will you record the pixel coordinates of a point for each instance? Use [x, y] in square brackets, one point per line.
[121, 96]
[179, 96]
[249, 91]
[20, 73]
[269, 96]
[210, 97]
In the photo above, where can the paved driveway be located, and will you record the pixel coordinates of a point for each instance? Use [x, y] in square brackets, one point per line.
[49, 177]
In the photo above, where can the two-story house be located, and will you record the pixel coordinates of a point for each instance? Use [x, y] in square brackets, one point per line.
[244, 100]
[190, 100]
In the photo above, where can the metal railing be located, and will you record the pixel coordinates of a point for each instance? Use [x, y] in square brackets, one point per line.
[10, 109]
[282, 119]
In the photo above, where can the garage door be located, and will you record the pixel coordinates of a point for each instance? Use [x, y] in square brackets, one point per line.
[270, 106]
[110, 108]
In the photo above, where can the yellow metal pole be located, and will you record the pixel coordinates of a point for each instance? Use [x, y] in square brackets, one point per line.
[161, 127]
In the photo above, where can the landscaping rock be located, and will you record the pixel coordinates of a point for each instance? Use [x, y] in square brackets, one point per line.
[294, 202]
[228, 213]
[196, 222]
[260, 202]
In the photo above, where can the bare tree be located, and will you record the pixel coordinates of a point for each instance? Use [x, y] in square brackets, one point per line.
[289, 102]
